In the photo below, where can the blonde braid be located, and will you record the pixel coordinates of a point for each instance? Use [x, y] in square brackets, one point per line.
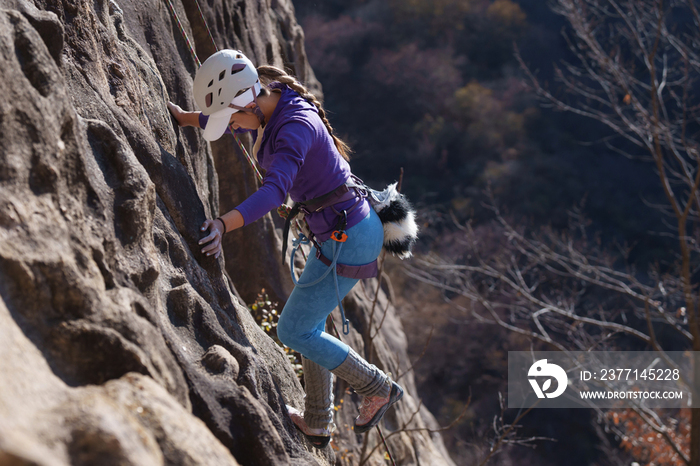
[269, 73]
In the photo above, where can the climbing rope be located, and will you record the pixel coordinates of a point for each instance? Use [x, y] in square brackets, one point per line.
[198, 63]
[250, 159]
[296, 244]
[235, 137]
[182, 30]
[386, 446]
[201, 15]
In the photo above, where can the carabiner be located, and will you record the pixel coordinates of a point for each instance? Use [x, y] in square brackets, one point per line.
[339, 236]
[339, 233]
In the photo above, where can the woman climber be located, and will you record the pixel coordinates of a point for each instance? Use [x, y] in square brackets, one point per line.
[296, 146]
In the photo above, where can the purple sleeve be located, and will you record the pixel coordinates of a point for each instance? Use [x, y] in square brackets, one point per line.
[203, 119]
[291, 145]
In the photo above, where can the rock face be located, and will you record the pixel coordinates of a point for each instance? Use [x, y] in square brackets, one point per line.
[119, 342]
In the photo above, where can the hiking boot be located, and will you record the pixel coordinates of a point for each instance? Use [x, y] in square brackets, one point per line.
[373, 408]
[317, 437]
[379, 392]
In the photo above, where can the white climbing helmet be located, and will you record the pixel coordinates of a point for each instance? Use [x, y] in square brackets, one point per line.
[225, 78]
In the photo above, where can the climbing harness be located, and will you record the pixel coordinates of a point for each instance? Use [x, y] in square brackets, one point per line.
[394, 211]
[345, 192]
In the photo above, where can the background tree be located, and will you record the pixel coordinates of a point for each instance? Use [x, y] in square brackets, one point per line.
[636, 72]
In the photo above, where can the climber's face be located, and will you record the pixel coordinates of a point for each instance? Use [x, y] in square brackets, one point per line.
[245, 120]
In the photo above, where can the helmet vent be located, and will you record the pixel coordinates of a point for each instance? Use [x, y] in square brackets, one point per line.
[237, 68]
[221, 78]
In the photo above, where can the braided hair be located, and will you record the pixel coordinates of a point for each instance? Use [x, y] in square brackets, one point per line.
[269, 73]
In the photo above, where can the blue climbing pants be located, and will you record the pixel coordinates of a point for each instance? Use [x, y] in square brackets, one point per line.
[302, 323]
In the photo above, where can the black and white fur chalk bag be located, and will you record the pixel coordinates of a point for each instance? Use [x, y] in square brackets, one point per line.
[398, 218]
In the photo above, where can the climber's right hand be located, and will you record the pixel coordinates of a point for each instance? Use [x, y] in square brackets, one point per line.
[177, 112]
[213, 238]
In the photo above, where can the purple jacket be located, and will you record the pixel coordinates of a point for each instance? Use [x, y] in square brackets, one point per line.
[300, 158]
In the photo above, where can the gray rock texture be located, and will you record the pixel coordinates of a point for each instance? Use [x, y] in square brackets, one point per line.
[119, 342]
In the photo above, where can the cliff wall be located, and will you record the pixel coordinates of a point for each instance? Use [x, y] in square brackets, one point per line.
[119, 342]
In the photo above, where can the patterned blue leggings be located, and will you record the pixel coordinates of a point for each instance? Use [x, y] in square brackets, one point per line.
[302, 323]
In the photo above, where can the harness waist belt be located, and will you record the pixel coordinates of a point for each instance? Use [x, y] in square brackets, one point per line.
[321, 202]
[345, 192]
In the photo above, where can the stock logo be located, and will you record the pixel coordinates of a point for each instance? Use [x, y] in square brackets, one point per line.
[543, 369]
